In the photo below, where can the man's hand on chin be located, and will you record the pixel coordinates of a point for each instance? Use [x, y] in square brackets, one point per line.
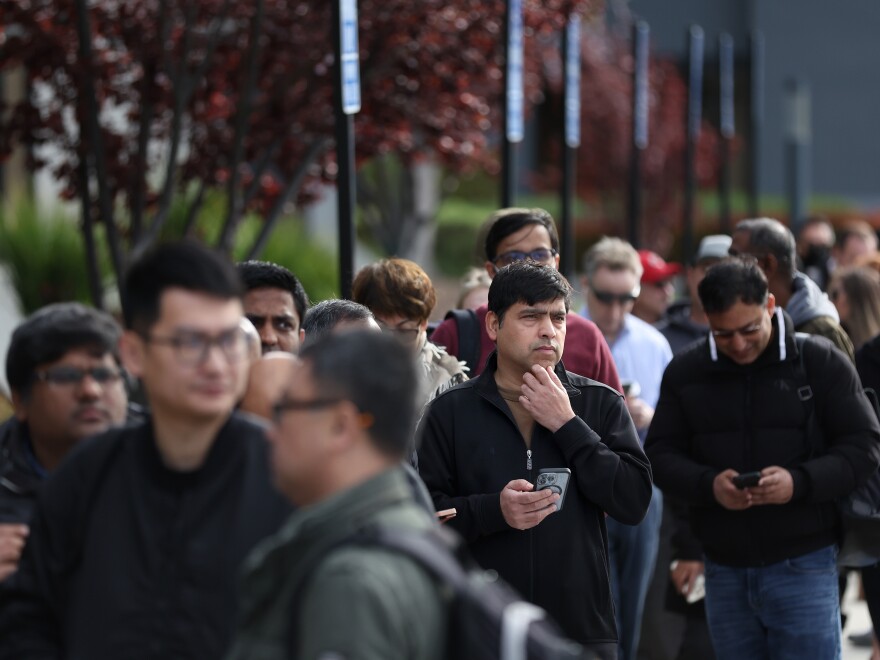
[544, 397]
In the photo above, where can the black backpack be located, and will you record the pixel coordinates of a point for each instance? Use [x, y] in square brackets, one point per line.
[488, 620]
[469, 337]
[860, 510]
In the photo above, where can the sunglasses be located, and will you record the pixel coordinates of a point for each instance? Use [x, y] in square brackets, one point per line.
[608, 298]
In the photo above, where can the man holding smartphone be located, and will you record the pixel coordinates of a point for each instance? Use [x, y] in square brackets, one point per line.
[730, 437]
[486, 441]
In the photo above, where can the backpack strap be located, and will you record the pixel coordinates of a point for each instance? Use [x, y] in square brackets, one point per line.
[469, 337]
[805, 394]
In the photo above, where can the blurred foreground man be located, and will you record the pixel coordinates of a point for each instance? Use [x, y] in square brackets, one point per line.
[731, 437]
[63, 369]
[338, 437]
[484, 442]
[138, 536]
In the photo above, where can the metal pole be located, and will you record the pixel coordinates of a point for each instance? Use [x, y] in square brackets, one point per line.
[798, 136]
[757, 121]
[513, 101]
[347, 102]
[640, 126]
[728, 130]
[694, 119]
[571, 56]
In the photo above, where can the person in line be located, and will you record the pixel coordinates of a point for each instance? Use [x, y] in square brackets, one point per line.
[731, 437]
[656, 287]
[855, 292]
[333, 315]
[67, 385]
[275, 302]
[519, 234]
[484, 442]
[612, 274]
[137, 539]
[401, 296]
[773, 245]
[339, 435]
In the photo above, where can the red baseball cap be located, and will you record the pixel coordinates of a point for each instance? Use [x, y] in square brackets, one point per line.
[655, 268]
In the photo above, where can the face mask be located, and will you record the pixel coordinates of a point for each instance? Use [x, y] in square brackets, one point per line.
[817, 255]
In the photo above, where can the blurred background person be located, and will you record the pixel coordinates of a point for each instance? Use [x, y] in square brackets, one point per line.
[474, 291]
[815, 241]
[855, 292]
[401, 296]
[657, 288]
[336, 314]
[854, 239]
[275, 302]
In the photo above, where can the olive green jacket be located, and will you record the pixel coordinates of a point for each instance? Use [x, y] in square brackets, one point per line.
[357, 603]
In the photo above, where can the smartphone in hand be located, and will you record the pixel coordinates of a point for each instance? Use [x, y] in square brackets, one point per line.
[556, 480]
[747, 480]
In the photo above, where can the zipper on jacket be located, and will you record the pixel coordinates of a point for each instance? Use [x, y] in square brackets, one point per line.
[531, 534]
[529, 461]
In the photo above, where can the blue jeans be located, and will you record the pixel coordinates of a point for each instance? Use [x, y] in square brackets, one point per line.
[785, 611]
[632, 551]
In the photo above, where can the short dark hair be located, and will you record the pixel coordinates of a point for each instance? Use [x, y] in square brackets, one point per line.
[505, 222]
[769, 236]
[50, 332]
[185, 264]
[322, 317]
[527, 282]
[377, 374]
[395, 287]
[732, 280]
[267, 275]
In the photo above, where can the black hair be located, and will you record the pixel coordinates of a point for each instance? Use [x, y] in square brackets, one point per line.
[505, 222]
[327, 314]
[185, 264]
[377, 374]
[732, 280]
[268, 275]
[50, 332]
[527, 282]
[769, 236]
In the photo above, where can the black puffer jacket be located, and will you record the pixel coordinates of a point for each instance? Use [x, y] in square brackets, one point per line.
[714, 414]
[471, 448]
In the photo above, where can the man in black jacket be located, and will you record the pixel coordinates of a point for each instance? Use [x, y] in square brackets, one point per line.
[730, 437]
[484, 441]
[137, 538]
[63, 369]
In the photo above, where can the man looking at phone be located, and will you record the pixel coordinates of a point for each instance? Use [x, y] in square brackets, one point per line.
[485, 441]
[733, 404]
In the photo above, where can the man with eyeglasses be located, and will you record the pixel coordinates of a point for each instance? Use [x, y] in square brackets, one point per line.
[340, 432]
[733, 437]
[612, 276]
[63, 369]
[137, 538]
[520, 234]
[401, 296]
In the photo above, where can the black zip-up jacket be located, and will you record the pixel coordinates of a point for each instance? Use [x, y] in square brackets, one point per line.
[471, 448]
[19, 479]
[714, 414]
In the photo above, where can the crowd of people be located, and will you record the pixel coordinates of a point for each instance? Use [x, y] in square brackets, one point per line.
[186, 482]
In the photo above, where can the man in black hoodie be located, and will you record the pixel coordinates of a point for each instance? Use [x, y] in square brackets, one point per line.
[484, 441]
[730, 437]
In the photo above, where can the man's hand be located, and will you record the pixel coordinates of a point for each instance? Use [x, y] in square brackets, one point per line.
[523, 509]
[776, 486]
[12, 538]
[545, 398]
[728, 495]
[684, 574]
[641, 412]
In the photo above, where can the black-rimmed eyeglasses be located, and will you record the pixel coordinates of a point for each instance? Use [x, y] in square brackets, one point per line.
[192, 348]
[72, 376]
[541, 255]
[284, 405]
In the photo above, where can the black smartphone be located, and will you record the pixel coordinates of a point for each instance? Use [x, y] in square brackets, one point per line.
[555, 479]
[747, 480]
